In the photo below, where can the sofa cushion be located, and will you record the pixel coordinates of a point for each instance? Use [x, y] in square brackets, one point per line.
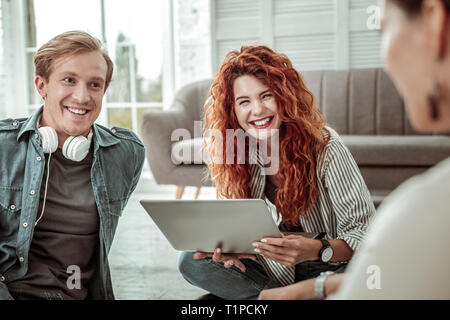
[398, 150]
[388, 177]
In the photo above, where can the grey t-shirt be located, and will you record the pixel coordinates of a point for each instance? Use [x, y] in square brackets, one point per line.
[66, 237]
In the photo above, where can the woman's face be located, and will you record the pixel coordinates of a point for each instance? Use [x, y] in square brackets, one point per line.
[255, 107]
[407, 50]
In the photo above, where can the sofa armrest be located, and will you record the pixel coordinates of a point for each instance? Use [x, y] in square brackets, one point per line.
[156, 129]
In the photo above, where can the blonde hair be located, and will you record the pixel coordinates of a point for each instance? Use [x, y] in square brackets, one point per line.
[68, 43]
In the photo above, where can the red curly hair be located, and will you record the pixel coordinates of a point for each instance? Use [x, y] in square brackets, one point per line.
[301, 132]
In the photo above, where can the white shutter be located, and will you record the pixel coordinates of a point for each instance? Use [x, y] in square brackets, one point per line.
[314, 34]
[308, 52]
[235, 23]
[365, 49]
[304, 31]
[364, 43]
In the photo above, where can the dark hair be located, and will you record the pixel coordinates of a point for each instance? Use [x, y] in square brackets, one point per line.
[412, 7]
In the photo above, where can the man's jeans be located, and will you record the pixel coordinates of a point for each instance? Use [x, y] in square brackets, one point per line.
[234, 284]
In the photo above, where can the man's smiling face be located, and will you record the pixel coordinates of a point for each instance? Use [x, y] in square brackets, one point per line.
[73, 93]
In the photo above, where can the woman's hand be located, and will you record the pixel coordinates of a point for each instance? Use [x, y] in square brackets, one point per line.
[228, 259]
[303, 290]
[289, 250]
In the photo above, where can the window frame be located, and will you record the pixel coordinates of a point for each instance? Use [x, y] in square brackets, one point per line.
[133, 105]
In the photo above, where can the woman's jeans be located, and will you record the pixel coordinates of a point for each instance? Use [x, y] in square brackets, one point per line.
[234, 284]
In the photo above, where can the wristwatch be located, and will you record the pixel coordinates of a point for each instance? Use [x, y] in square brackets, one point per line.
[319, 284]
[326, 253]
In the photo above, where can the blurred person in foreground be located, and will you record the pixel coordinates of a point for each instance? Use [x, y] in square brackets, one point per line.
[405, 254]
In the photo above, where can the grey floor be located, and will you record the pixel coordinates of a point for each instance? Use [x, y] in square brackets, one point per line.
[143, 263]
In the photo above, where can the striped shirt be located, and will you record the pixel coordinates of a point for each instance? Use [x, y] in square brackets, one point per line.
[342, 210]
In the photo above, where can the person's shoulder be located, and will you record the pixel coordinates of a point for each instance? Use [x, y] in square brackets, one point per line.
[122, 134]
[430, 186]
[129, 142]
[11, 124]
[434, 181]
[332, 136]
[126, 134]
[421, 200]
[334, 148]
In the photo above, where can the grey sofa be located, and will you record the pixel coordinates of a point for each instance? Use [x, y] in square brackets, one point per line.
[362, 105]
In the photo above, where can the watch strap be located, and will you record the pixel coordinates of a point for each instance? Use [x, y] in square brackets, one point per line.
[325, 243]
[319, 284]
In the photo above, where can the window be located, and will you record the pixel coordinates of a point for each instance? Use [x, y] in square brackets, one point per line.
[134, 35]
[192, 41]
[132, 32]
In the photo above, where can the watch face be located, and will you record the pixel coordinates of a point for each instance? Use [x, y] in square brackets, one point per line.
[327, 254]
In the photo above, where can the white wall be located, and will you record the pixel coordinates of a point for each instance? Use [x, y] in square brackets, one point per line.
[13, 80]
[314, 34]
[5, 92]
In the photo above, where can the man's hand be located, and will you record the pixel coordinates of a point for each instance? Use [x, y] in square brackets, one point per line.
[289, 250]
[228, 259]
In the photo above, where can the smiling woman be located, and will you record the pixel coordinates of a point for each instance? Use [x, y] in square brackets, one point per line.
[249, 90]
[258, 91]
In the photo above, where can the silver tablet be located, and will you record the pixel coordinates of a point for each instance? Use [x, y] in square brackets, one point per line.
[204, 225]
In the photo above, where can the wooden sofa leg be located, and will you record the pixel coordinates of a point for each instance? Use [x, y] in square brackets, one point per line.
[197, 192]
[180, 191]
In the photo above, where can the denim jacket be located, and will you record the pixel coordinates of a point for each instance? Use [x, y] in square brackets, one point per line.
[116, 167]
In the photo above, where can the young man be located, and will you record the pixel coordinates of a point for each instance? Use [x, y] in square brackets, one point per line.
[64, 179]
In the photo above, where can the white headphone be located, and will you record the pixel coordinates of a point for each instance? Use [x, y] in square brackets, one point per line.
[75, 148]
